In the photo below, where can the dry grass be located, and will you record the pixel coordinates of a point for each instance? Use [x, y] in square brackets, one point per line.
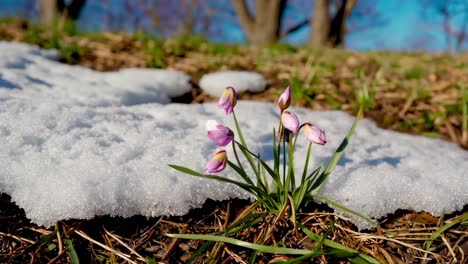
[398, 239]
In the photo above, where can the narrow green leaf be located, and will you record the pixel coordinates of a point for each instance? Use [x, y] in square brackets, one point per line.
[239, 163]
[244, 144]
[247, 187]
[71, 251]
[306, 165]
[299, 193]
[313, 179]
[346, 209]
[358, 260]
[42, 241]
[335, 245]
[439, 231]
[202, 249]
[275, 153]
[275, 177]
[338, 153]
[185, 170]
[241, 172]
[240, 243]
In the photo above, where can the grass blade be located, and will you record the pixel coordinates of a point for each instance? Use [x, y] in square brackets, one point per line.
[42, 241]
[275, 177]
[241, 172]
[71, 251]
[346, 209]
[444, 228]
[338, 153]
[335, 245]
[240, 243]
[244, 144]
[250, 188]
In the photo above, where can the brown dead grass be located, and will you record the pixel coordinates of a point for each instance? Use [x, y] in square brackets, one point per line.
[398, 239]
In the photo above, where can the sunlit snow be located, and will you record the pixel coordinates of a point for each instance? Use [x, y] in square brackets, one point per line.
[75, 143]
[214, 83]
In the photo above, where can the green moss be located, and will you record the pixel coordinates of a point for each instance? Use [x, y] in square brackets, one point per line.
[416, 72]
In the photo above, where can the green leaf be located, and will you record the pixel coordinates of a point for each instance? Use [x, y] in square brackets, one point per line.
[275, 153]
[244, 144]
[275, 177]
[71, 251]
[335, 245]
[51, 247]
[338, 154]
[247, 187]
[241, 172]
[312, 179]
[240, 243]
[151, 261]
[358, 260]
[202, 249]
[306, 165]
[346, 209]
[42, 241]
[439, 231]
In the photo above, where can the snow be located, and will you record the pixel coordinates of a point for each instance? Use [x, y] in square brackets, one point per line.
[214, 83]
[75, 143]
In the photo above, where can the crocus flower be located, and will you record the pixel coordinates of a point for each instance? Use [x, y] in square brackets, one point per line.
[217, 163]
[290, 121]
[314, 134]
[220, 134]
[228, 100]
[285, 99]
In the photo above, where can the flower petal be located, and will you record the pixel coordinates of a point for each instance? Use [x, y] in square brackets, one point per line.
[290, 121]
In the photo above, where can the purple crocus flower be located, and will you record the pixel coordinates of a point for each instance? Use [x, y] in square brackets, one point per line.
[217, 163]
[290, 121]
[220, 134]
[228, 100]
[314, 134]
[285, 99]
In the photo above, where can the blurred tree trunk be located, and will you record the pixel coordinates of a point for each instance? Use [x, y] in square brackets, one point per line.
[264, 27]
[327, 30]
[49, 10]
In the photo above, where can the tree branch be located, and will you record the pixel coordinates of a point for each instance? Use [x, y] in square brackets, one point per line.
[74, 9]
[296, 27]
[243, 13]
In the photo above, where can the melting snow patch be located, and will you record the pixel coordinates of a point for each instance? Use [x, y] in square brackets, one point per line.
[30, 69]
[71, 148]
[214, 83]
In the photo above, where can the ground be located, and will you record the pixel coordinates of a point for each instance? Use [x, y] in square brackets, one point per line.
[411, 92]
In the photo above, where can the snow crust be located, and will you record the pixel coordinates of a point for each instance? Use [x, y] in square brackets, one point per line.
[75, 143]
[214, 83]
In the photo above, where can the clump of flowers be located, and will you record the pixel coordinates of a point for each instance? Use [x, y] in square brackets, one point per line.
[275, 187]
[282, 189]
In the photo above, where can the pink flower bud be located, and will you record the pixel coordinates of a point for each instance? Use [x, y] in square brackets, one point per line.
[217, 163]
[290, 121]
[314, 134]
[228, 100]
[220, 134]
[285, 99]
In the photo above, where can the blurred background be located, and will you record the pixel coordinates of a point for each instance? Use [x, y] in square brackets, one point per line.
[415, 25]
